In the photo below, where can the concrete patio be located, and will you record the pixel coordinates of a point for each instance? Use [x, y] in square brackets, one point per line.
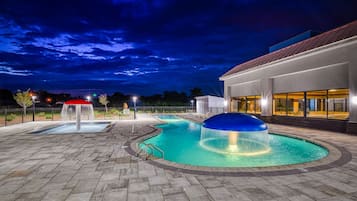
[97, 167]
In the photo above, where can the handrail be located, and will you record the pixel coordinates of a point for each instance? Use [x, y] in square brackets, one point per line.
[159, 150]
[151, 147]
[147, 154]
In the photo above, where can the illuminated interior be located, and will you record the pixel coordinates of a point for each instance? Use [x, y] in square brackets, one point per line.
[326, 104]
[246, 104]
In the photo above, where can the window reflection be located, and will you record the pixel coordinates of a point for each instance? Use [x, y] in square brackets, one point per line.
[242, 104]
[279, 104]
[331, 104]
[338, 103]
[295, 104]
[316, 104]
[246, 104]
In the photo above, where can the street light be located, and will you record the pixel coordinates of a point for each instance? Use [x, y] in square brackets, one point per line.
[134, 100]
[33, 97]
[88, 98]
[192, 101]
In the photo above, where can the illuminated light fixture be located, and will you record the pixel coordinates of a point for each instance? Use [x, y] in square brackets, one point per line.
[88, 98]
[354, 100]
[225, 103]
[264, 102]
[33, 97]
[135, 98]
[332, 90]
[192, 101]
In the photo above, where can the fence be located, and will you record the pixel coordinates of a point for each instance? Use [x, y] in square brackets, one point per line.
[11, 116]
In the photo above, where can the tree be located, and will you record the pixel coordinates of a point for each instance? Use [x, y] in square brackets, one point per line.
[196, 92]
[6, 98]
[104, 101]
[117, 99]
[24, 99]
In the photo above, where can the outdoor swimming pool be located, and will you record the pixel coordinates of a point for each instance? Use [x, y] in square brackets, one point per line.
[180, 141]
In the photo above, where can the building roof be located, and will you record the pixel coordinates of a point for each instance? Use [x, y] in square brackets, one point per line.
[334, 35]
[207, 96]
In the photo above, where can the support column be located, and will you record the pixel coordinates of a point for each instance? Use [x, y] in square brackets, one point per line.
[352, 93]
[352, 85]
[266, 85]
[227, 97]
[78, 117]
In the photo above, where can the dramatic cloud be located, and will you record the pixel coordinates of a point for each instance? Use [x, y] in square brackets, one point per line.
[146, 47]
[11, 71]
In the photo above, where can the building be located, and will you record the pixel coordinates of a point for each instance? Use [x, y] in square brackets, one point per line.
[311, 83]
[210, 104]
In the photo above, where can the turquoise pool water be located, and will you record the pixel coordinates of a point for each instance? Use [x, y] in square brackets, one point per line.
[180, 140]
[86, 127]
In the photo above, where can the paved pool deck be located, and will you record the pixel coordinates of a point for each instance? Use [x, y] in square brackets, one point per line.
[97, 167]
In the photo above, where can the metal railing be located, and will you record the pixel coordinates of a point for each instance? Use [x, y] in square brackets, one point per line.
[151, 147]
[15, 115]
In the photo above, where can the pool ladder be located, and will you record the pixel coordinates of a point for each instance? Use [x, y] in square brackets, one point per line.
[151, 147]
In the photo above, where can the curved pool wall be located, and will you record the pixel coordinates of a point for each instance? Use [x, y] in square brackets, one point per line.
[180, 140]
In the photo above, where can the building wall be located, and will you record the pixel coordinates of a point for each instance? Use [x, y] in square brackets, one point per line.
[209, 104]
[329, 67]
[202, 105]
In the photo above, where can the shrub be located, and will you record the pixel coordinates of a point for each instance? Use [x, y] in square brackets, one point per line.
[10, 117]
[41, 114]
[114, 111]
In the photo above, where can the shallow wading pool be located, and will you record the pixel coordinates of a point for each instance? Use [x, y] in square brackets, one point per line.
[68, 128]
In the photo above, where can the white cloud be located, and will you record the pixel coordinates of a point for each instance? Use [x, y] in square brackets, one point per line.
[136, 72]
[164, 58]
[10, 71]
[62, 43]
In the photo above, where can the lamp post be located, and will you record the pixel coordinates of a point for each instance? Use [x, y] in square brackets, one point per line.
[192, 101]
[134, 100]
[88, 98]
[33, 97]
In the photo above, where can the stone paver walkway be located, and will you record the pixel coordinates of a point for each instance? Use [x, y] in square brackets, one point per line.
[96, 167]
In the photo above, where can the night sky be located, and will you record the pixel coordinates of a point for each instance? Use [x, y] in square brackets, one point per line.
[146, 47]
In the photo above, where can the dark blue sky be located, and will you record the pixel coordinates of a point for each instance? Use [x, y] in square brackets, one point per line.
[146, 47]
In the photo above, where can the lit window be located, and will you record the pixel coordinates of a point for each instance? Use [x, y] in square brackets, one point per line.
[338, 104]
[242, 104]
[295, 104]
[316, 104]
[279, 104]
